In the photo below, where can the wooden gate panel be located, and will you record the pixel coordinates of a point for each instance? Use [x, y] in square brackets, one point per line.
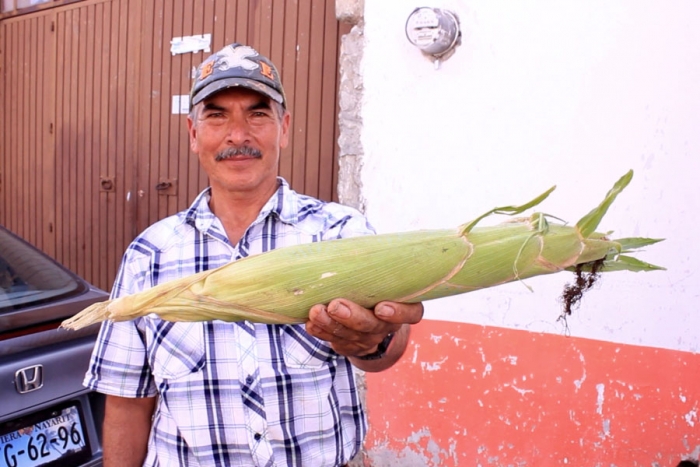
[94, 82]
[104, 101]
[26, 179]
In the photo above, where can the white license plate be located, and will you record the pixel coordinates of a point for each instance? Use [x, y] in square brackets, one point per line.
[58, 435]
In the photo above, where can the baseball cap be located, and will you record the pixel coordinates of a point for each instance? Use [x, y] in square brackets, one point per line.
[237, 65]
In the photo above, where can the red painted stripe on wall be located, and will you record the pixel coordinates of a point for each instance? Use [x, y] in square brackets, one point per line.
[484, 396]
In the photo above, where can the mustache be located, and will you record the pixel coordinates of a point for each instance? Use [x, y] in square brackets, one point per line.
[238, 151]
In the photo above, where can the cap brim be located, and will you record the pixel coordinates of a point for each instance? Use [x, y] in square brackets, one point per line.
[221, 84]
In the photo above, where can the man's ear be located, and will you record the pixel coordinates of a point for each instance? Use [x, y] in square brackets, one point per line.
[192, 131]
[284, 136]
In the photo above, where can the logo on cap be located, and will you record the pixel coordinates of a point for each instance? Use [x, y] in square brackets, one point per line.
[229, 57]
[207, 68]
[266, 71]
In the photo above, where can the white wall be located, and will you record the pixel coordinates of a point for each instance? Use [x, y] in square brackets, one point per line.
[544, 93]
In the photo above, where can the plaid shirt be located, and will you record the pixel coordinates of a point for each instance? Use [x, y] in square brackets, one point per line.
[232, 393]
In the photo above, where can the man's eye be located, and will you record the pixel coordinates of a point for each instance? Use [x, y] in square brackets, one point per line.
[214, 118]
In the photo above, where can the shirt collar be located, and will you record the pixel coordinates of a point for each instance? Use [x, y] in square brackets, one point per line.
[285, 204]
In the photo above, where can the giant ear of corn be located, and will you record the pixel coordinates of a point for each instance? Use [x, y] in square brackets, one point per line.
[281, 286]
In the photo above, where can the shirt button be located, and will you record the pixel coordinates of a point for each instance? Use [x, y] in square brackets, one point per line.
[249, 380]
[257, 436]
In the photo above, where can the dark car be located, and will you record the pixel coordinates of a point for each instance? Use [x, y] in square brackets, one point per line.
[47, 417]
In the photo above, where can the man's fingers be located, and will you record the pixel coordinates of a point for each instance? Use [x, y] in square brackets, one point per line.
[343, 319]
[318, 316]
[318, 332]
[359, 319]
[353, 316]
[327, 325]
[343, 339]
[399, 313]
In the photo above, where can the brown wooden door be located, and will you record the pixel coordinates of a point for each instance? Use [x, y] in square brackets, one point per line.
[88, 132]
[27, 130]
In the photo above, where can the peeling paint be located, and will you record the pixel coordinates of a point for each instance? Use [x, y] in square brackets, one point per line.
[520, 391]
[696, 452]
[433, 366]
[420, 449]
[606, 429]
[691, 417]
[600, 389]
[487, 370]
[512, 359]
[572, 417]
[580, 381]
[504, 419]
[436, 338]
[417, 435]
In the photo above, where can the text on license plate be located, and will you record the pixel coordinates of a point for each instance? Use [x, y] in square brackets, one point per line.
[44, 441]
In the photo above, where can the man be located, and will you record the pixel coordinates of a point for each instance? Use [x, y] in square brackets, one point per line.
[239, 393]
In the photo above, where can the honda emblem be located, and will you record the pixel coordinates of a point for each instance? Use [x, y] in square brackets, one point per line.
[29, 379]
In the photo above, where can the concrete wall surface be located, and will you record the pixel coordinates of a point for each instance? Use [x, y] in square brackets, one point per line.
[541, 93]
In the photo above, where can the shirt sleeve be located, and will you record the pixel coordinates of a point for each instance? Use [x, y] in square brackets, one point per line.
[346, 222]
[119, 364]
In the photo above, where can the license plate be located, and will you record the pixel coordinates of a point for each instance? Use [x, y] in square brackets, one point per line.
[51, 438]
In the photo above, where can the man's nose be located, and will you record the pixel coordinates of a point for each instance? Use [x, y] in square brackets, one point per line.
[238, 133]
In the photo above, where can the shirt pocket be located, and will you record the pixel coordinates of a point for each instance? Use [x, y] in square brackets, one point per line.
[302, 350]
[177, 349]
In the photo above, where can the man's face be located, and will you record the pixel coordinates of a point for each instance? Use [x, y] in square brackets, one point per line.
[238, 135]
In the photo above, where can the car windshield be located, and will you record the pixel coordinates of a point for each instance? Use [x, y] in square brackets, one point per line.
[28, 277]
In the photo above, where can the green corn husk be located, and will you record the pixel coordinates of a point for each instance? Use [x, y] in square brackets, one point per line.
[281, 286]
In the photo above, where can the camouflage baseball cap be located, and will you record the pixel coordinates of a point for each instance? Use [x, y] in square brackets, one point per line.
[237, 65]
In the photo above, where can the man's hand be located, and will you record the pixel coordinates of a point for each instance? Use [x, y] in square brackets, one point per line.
[355, 331]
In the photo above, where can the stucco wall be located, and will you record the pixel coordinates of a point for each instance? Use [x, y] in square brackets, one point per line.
[541, 93]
